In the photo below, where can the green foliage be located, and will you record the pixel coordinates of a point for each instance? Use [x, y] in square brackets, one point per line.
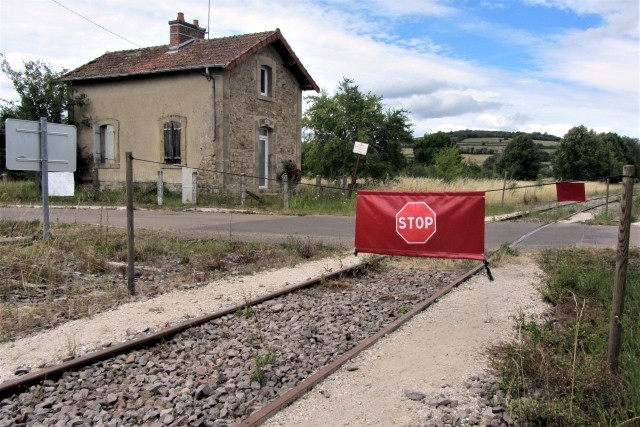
[334, 123]
[448, 164]
[41, 93]
[459, 135]
[503, 253]
[260, 363]
[557, 373]
[245, 312]
[289, 168]
[584, 154]
[521, 158]
[426, 148]
[415, 170]
[304, 248]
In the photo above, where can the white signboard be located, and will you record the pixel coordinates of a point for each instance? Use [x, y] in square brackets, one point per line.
[23, 146]
[61, 184]
[360, 148]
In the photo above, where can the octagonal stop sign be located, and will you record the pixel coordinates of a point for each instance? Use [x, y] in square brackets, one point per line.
[416, 222]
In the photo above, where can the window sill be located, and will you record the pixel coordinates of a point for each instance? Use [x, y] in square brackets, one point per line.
[266, 98]
[109, 166]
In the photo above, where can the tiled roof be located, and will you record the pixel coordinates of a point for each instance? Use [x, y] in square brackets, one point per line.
[225, 52]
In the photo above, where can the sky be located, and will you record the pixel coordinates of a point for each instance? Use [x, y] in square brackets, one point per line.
[514, 65]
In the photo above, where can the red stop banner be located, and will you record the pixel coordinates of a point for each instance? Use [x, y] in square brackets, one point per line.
[437, 225]
[570, 192]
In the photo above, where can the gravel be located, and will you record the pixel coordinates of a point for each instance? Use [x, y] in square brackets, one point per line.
[221, 372]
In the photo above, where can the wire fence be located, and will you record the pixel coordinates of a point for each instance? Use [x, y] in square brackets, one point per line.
[156, 183]
[214, 187]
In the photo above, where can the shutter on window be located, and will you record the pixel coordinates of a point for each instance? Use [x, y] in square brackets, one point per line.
[176, 142]
[110, 144]
[96, 144]
[168, 155]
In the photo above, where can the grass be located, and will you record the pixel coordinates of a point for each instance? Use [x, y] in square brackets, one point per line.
[556, 374]
[518, 196]
[80, 270]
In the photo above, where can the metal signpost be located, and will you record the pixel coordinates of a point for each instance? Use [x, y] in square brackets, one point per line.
[41, 147]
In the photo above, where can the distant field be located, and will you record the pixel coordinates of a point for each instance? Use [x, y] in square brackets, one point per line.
[485, 147]
[478, 159]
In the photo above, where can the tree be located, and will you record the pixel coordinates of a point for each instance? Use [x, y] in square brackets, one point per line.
[521, 158]
[332, 124]
[622, 151]
[426, 148]
[41, 94]
[448, 163]
[584, 154]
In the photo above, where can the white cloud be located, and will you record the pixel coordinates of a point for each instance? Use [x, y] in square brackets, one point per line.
[582, 77]
[501, 121]
[593, 58]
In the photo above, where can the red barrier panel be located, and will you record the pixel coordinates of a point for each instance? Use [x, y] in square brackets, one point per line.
[437, 225]
[570, 192]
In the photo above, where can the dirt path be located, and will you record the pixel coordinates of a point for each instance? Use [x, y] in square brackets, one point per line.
[433, 354]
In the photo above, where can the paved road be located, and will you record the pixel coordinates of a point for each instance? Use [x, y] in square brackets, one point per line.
[337, 230]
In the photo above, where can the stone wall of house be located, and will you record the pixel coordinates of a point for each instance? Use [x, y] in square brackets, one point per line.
[219, 152]
[248, 111]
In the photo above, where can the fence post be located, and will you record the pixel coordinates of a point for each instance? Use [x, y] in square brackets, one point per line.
[344, 183]
[194, 187]
[318, 181]
[160, 188]
[130, 242]
[504, 185]
[4, 177]
[44, 169]
[606, 201]
[622, 260]
[285, 190]
[243, 189]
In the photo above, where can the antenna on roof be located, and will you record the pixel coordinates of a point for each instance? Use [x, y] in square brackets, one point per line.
[208, 19]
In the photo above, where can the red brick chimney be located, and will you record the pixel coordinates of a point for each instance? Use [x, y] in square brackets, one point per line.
[181, 31]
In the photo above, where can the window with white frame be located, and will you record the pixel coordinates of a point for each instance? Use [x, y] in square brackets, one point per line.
[263, 158]
[105, 142]
[266, 77]
[266, 80]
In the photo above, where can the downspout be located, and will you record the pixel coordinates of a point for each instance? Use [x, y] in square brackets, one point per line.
[213, 89]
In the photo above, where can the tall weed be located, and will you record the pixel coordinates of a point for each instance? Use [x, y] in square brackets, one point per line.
[557, 373]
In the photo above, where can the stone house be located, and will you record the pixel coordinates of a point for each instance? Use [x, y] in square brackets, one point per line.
[224, 106]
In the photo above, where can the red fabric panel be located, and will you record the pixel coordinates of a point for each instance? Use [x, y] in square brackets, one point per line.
[570, 192]
[402, 223]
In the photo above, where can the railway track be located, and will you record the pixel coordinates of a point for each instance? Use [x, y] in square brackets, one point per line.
[237, 366]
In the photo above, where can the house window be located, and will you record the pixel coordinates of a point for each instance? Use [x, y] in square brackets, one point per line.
[105, 142]
[263, 158]
[172, 145]
[265, 80]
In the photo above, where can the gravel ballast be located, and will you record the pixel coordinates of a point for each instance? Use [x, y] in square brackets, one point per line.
[222, 371]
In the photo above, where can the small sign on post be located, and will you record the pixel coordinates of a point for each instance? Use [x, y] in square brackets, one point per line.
[360, 148]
